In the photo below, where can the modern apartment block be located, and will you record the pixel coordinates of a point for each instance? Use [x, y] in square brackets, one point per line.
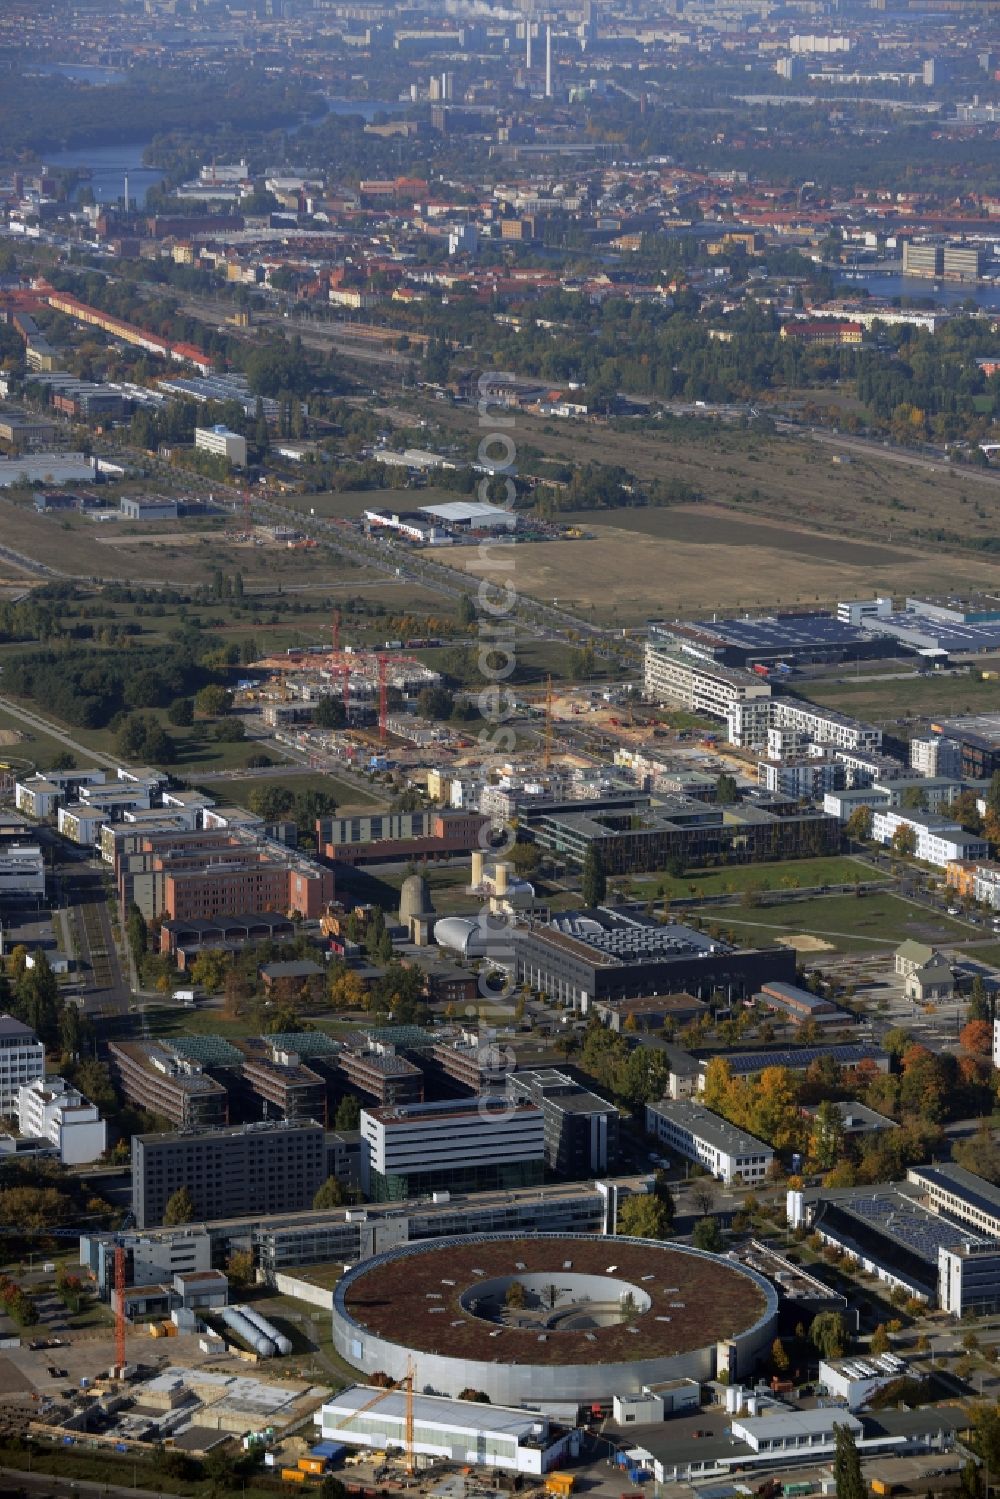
[749, 721]
[155, 1078]
[50, 1109]
[411, 1150]
[22, 1060]
[698, 1134]
[581, 1129]
[938, 840]
[265, 1169]
[697, 685]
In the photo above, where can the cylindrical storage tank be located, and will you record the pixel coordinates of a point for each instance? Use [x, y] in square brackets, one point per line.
[269, 1330]
[500, 881]
[245, 1329]
[478, 864]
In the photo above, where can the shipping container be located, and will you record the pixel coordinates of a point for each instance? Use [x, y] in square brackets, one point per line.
[293, 1475]
[312, 1465]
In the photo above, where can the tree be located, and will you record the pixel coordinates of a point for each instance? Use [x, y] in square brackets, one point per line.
[847, 1476]
[477, 1396]
[515, 1296]
[212, 700]
[726, 790]
[330, 1195]
[179, 1209]
[977, 1036]
[593, 880]
[708, 1235]
[859, 824]
[644, 1217]
[904, 841]
[703, 1195]
[828, 1334]
[826, 1139]
[348, 1115]
[779, 1358]
[330, 713]
[979, 1001]
[880, 1340]
[181, 712]
[239, 1268]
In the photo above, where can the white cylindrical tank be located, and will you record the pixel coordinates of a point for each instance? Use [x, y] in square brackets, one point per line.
[248, 1332]
[478, 864]
[501, 878]
[269, 1330]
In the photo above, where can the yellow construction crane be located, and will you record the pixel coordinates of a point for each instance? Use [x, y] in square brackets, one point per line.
[408, 1440]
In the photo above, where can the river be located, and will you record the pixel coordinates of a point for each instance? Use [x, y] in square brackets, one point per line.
[885, 285]
[108, 166]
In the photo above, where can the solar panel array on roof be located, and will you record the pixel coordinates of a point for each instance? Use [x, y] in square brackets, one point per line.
[799, 1057]
[211, 1051]
[787, 632]
[907, 1222]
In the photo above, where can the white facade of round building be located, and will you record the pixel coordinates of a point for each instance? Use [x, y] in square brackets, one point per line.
[423, 1306]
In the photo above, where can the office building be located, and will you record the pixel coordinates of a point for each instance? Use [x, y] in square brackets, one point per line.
[848, 1056]
[978, 738]
[22, 871]
[936, 756]
[154, 1077]
[960, 1195]
[216, 871]
[581, 957]
[963, 263]
[265, 1169]
[581, 1130]
[370, 837]
[696, 1133]
[923, 260]
[222, 443]
[150, 1259]
[412, 1150]
[50, 1109]
[22, 1061]
[379, 1073]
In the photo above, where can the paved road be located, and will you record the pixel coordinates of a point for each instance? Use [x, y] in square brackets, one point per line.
[46, 726]
[44, 1483]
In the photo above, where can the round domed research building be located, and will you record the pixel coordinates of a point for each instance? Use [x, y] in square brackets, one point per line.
[551, 1316]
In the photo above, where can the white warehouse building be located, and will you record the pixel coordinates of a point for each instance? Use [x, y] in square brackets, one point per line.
[461, 1431]
[698, 1134]
[50, 1109]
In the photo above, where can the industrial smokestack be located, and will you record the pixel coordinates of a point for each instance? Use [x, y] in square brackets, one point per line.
[548, 62]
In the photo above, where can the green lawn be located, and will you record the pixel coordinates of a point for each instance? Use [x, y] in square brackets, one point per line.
[39, 748]
[790, 874]
[237, 791]
[988, 953]
[932, 697]
[846, 922]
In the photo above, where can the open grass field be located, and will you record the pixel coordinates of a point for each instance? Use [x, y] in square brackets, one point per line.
[31, 745]
[840, 923]
[780, 522]
[237, 789]
[732, 879]
[695, 558]
[912, 697]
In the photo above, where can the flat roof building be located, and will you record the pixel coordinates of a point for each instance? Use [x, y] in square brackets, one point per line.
[269, 1168]
[22, 1061]
[581, 1129]
[50, 1109]
[696, 1133]
[411, 1150]
[155, 1078]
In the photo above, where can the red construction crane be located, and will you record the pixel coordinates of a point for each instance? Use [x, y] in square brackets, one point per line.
[336, 629]
[383, 699]
[120, 1359]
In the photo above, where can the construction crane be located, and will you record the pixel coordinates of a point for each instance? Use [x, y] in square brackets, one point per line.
[119, 1277]
[547, 759]
[408, 1425]
[383, 699]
